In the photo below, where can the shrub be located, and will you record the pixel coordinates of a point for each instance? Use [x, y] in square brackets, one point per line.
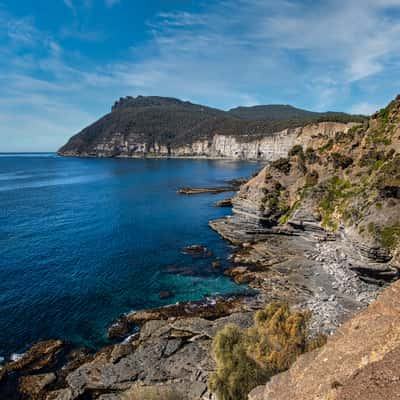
[237, 374]
[341, 161]
[297, 150]
[389, 236]
[311, 156]
[248, 358]
[327, 146]
[312, 178]
[282, 164]
[154, 393]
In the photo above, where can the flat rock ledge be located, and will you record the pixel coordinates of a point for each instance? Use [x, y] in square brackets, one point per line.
[168, 357]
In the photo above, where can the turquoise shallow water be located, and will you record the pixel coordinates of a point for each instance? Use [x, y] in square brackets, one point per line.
[85, 240]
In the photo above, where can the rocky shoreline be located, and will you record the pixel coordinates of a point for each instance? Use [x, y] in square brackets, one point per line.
[167, 351]
[318, 229]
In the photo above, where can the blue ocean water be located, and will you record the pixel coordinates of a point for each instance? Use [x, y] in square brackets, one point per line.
[84, 240]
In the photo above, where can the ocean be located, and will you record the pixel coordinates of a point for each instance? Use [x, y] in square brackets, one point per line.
[83, 241]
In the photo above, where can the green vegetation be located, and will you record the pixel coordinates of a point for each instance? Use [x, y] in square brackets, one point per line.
[388, 181]
[297, 151]
[248, 358]
[335, 191]
[371, 158]
[389, 236]
[327, 146]
[311, 155]
[341, 161]
[312, 178]
[273, 200]
[282, 165]
[155, 393]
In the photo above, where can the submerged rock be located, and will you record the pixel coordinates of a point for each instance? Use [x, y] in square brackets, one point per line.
[165, 294]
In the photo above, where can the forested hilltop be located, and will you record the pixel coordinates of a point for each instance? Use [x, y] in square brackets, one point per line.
[160, 125]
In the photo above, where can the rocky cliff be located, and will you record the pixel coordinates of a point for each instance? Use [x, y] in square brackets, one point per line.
[342, 185]
[163, 127]
[339, 195]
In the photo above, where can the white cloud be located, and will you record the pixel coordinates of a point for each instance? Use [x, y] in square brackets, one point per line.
[364, 108]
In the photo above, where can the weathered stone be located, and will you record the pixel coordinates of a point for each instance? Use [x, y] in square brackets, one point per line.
[32, 385]
[40, 355]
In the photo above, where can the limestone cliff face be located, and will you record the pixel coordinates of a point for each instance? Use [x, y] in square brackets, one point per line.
[267, 148]
[360, 361]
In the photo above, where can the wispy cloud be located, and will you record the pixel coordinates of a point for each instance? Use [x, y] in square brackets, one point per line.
[285, 49]
[111, 3]
[70, 4]
[322, 55]
[364, 108]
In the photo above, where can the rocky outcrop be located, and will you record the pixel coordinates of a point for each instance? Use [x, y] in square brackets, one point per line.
[360, 361]
[331, 189]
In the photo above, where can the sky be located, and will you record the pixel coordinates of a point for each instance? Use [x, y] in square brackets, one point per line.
[63, 63]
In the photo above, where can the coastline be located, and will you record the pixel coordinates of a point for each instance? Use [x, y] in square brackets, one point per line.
[154, 343]
[151, 156]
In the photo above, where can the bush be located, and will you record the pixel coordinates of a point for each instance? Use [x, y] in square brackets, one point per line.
[237, 374]
[297, 150]
[341, 161]
[282, 164]
[311, 156]
[246, 359]
[312, 178]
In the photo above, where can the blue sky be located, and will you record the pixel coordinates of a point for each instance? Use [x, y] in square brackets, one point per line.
[64, 62]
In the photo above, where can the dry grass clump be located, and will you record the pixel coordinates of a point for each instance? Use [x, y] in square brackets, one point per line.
[248, 358]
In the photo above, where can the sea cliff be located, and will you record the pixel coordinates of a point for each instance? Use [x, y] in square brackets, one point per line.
[165, 127]
[267, 148]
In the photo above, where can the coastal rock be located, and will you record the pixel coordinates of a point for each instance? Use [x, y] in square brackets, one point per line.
[32, 385]
[212, 308]
[224, 203]
[165, 294]
[40, 355]
[195, 249]
[213, 190]
[170, 355]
